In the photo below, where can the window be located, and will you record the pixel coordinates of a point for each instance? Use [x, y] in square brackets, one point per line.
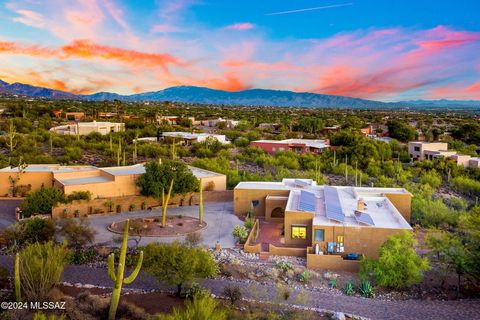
[255, 203]
[339, 239]
[319, 235]
[274, 149]
[416, 148]
[299, 232]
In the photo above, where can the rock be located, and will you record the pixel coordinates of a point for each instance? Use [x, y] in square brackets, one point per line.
[339, 316]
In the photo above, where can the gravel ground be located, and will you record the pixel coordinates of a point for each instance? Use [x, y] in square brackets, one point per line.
[370, 308]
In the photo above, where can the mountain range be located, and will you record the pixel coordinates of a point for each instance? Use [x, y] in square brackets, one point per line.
[253, 97]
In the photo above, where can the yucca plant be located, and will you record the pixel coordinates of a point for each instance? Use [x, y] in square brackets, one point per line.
[348, 289]
[366, 289]
[333, 283]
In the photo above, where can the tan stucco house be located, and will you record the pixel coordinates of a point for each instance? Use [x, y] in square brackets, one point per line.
[324, 222]
[101, 182]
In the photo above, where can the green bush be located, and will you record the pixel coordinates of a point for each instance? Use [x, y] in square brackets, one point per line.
[41, 201]
[283, 265]
[398, 265]
[83, 256]
[233, 293]
[466, 185]
[79, 195]
[200, 308]
[305, 276]
[240, 232]
[249, 222]
[30, 231]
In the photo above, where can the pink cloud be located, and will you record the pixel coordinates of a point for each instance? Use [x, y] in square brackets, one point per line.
[241, 26]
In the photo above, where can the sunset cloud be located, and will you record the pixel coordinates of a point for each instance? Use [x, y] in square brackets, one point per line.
[241, 26]
[165, 44]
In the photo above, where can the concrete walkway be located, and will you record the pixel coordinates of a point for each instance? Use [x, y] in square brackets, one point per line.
[218, 216]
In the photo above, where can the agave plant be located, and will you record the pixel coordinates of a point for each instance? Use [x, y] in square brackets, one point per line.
[348, 288]
[333, 283]
[366, 289]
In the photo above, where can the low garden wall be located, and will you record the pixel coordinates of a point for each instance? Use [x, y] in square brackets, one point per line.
[331, 263]
[82, 208]
[249, 246]
[285, 251]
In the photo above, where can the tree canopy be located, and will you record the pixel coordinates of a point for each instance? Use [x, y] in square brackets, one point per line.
[398, 265]
[158, 177]
[177, 263]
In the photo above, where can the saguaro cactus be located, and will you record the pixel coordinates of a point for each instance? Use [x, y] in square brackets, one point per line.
[16, 278]
[165, 201]
[118, 278]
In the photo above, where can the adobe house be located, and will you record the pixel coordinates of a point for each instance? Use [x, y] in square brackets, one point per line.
[323, 223]
[85, 128]
[101, 182]
[295, 145]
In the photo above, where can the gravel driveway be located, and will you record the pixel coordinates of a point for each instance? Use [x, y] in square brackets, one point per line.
[370, 308]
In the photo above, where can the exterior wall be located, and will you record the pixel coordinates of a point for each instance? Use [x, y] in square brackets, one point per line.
[35, 179]
[74, 115]
[298, 218]
[462, 160]
[474, 163]
[270, 148]
[242, 200]
[362, 240]
[250, 245]
[219, 183]
[272, 203]
[422, 147]
[403, 203]
[331, 263]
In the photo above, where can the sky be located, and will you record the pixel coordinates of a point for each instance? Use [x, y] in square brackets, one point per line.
[374, 49]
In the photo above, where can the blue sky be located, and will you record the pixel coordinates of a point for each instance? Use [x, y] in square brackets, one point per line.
[384, 50]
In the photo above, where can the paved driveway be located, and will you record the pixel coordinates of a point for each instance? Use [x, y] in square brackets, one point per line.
[7, 212]
[218, 216]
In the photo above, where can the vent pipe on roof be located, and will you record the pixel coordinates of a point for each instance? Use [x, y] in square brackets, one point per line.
[360, 205]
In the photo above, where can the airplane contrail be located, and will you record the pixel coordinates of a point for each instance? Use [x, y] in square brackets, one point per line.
[310, 9]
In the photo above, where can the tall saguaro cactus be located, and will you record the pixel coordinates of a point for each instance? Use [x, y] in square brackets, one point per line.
[118, 278]
[165, 201]
[16, 278]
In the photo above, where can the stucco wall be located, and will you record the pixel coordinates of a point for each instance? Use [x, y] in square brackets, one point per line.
[273, 202]
[403, 203]
[242, 199]
[35, 179]
[298, 218]
[331, 263]
[362, 240]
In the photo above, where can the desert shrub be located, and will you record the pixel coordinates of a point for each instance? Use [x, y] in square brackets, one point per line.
[398, 265]
[199, 308]
[41, 266]
[193, 239]
[29, 231]
[41, 201]
[83, 256]
[432, 178]
[177, 264]
[305, 276]
[284, 265]
[249, 222]
[194, 290]
[233, 293]
[43, 316]
[432, 213]
[240, 232]
[78, 233]
[466, 185]
[79, 195]
[4, 277]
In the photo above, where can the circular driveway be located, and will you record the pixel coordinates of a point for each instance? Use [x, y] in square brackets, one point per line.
[218, 215]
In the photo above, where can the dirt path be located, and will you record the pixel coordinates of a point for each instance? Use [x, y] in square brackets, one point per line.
[374, 309]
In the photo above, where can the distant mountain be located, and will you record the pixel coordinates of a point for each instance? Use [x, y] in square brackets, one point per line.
[443, 103]
[33, 91]
[253, 97]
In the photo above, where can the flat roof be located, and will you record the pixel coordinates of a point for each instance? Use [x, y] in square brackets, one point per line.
[316, 143]
[83, 180]
[379, 208]
[202, 173]
[377, 205]
[49, 168]
[190, 135]
[127, 170]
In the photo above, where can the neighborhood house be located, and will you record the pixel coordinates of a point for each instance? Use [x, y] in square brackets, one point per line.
[295, 145]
